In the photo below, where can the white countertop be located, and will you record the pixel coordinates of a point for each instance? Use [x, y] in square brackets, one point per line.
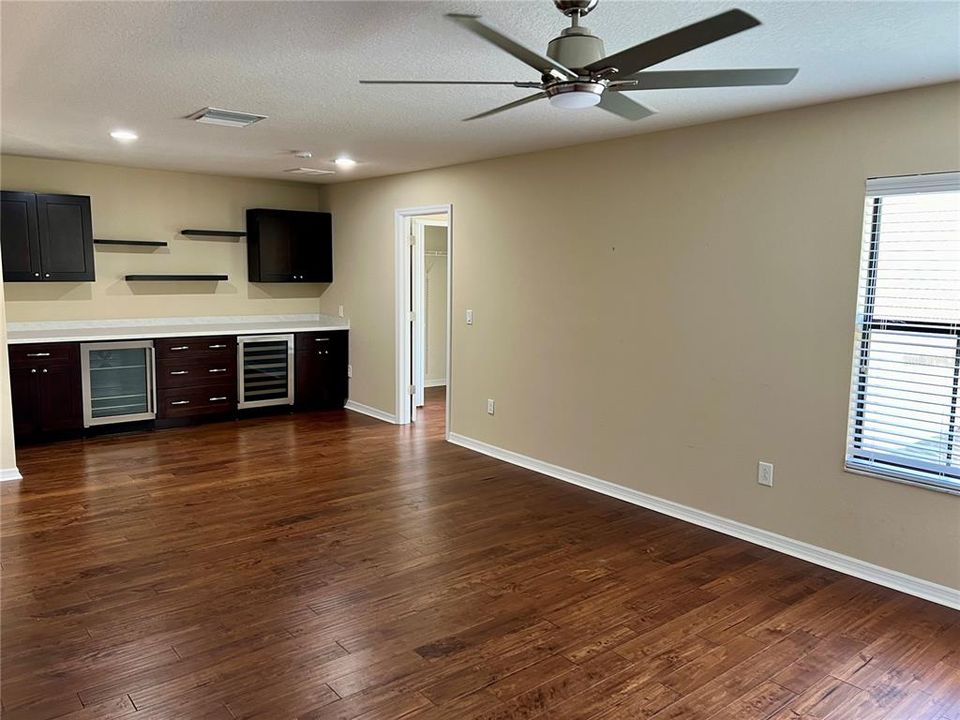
[96, 330]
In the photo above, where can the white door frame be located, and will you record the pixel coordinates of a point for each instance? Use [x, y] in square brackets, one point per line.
[420, 303]
[403, 219]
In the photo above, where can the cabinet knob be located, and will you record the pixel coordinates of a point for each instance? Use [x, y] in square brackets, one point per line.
[33, 370]
[46, 275]
[44, 370]
[36, 274]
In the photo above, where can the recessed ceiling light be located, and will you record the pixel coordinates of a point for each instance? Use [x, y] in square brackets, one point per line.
[344, 162]
[124, 135]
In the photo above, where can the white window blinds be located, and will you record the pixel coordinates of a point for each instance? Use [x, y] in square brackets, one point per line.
[904, 410]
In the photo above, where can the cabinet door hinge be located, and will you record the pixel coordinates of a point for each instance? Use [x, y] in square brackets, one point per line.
[411, 389]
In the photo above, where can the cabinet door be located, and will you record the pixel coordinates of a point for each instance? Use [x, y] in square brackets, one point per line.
[275, 250]
[19, 238]
[61, 399]
[321, 373]
[25, 397]
[313, 254]
[66, 238]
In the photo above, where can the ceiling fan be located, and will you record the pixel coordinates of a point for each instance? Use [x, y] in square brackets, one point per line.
[575, 73]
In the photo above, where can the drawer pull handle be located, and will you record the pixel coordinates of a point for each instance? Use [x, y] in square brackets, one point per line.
[217, 370]
[179, 372]
[180, 402]
[181, 347]
[38, 354]
[218, 399]
[217, 347]
[322, 339]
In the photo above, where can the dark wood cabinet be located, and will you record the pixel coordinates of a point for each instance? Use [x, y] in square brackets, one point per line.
[289, 246]
[196, 376]
[45, 390]
[46, 237]
[321, 369]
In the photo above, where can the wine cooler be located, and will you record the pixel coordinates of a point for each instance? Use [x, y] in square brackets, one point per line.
[265, 370]
[118, 382]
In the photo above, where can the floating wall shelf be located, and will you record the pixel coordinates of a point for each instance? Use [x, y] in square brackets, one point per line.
[214, 233]
[132, 243]
[173, 278]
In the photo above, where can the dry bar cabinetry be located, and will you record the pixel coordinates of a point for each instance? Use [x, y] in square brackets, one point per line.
[196, 376]
[46, 237]
[321, 369]
[196, 380]
[45, 390]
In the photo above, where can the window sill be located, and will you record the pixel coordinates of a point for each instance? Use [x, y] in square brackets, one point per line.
[904, 479]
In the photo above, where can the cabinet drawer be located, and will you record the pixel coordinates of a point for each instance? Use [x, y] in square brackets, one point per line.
[196, 347]
[319, 340]
[34, 355]
[176, 372]
[185, 402]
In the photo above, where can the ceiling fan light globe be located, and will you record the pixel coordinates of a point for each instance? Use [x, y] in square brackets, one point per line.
[575, 100]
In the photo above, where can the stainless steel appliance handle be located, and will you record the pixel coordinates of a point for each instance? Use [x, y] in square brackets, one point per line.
[152, 378]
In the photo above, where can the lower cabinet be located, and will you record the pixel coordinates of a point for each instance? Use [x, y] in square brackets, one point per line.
[196, 377]
[321, 370]
[45, 390]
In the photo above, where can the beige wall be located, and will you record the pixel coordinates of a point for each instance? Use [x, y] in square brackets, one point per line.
[8, 455]
[136, 204]
[434, 240]
[664, 310]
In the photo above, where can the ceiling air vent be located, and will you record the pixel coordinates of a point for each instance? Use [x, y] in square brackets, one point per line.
[229, 118]
[309, 171]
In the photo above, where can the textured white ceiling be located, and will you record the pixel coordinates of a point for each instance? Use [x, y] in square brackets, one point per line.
[73, 71]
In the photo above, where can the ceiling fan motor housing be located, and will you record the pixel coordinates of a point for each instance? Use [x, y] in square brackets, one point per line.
[576, 48]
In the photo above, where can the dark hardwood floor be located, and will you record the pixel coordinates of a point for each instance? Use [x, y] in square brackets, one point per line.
[330, 566]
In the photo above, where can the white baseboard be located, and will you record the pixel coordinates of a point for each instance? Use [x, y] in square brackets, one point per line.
[435, 383]
[925, 589]
[10, 474]
[371, 411]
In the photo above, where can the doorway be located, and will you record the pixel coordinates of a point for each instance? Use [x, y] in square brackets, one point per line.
[424, 301]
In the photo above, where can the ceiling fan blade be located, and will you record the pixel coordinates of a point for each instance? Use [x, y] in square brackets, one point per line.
[624, 107]
[676, 43]
[663, 79]
[540, 63]
[509, 106]
[449, 82]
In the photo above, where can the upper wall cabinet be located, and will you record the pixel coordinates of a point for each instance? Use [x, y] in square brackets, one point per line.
[46, 237]
[289, 246]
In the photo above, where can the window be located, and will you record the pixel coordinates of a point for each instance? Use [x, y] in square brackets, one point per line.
[904, 410]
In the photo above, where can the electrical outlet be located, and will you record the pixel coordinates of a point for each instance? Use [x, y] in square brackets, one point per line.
[340, 310]
[491, 406]
[469, 317]
[349, 371]
[765, 473]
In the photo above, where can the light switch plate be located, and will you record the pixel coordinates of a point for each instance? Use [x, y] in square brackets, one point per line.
[469, 317]
[765, 473]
